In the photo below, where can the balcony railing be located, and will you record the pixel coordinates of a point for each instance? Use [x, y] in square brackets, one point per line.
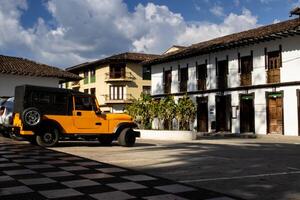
[75, 83]
[119, 76]
[110, 99]
[246, 79]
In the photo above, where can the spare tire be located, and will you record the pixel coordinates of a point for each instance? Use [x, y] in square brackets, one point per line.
[31, 117]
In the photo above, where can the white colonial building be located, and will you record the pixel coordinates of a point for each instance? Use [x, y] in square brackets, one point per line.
[19, 71]
[244, 82]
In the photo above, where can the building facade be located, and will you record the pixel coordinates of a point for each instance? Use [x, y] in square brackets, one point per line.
[16, 71]
[245, 82]
[116, 81]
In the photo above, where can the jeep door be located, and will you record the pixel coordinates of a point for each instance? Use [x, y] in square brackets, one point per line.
[86, 121]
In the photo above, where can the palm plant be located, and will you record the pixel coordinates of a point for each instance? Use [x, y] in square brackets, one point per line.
[186, 112]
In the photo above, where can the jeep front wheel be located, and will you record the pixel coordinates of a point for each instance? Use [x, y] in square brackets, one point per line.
[126, 137]
[48, 137]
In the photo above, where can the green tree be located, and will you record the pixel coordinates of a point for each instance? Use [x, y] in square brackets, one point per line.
[168, 109]
[186, 112]
[140, 110]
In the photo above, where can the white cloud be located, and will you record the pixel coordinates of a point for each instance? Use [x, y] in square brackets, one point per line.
[217, 11]
[90, 29]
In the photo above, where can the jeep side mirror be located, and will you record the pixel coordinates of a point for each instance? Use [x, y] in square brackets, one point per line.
[98, 112]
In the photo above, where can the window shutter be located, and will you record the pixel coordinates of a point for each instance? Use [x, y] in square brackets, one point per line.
[197, 71]
[217, 73]
[227, 69]
[187, 70]
[266, 58]
[179, 73]
[164, 74]
[239, 62]
[280, 55]
[251, 62]
[205, 69]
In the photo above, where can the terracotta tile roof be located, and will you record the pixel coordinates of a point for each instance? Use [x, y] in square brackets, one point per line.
[260, 34]
[123, 57]
[25, 67]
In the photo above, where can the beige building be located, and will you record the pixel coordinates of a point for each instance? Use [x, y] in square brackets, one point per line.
[115, 81]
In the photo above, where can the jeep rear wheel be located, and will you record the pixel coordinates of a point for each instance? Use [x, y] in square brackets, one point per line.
[105, 140]
[48, 137]
[126, 137]
[31, 117]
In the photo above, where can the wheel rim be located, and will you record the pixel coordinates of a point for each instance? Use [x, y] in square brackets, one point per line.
[48, 138]
[32, 118]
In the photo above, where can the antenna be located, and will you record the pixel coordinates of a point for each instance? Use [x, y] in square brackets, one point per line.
[295, 11]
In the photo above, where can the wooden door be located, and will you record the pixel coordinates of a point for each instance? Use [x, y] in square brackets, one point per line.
[298, 103]
[168, 81]
[247, 114]
[275, 115]
[202, 114]
[223, 114]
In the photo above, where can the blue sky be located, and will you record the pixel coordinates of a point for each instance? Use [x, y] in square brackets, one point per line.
[67, 32]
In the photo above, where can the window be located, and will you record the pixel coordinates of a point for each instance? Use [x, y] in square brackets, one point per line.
[222, 72]
[116, 92]
[274, 64]
[167, 81]
[146, 72]
[117, 70]
[41, 97]
[85, 103]
[93, 91]
[60, 99]
[246, 67]
[86, 77]
[201, 76]
[183, 75]
[86, 91]
[147, 89]
[93, 75]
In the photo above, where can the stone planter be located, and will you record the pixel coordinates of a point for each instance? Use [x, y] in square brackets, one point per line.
[168, 135]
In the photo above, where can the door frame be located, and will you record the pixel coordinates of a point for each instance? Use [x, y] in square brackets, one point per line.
[298, 109]
[230, 111]
[253, 104]
[267, 108]
[207, 120]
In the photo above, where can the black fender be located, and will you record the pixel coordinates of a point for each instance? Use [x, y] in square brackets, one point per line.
[123, 125]
[52, 123]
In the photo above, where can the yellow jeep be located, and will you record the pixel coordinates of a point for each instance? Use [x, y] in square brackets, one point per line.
[44, 115]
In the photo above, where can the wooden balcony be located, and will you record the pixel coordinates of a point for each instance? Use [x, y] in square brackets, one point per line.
[119, 76]
[124, 99]
[246, 79]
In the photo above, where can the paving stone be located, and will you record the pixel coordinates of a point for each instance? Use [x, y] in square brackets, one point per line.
[111, 170]
[19, 172]
[58, 174]
[60, 193]
[39, 166]
[97, 176]
[165, 197]
[74, 168]
[175, 188]
[80, 183]
[126, 186]
[37, 181]
[139, 178]
[116, 195]
[15, 190]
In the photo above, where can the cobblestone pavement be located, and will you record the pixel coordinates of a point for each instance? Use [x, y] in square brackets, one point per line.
[32, 172]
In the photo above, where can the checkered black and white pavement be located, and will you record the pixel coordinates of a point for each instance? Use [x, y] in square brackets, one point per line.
[35, 173]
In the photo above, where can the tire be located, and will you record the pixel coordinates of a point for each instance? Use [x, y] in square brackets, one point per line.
[48, 136]
[31, 140]
[31, 117]
[105, 140]
[126, 138]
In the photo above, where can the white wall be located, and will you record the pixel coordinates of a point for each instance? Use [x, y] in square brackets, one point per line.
[9, 82]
